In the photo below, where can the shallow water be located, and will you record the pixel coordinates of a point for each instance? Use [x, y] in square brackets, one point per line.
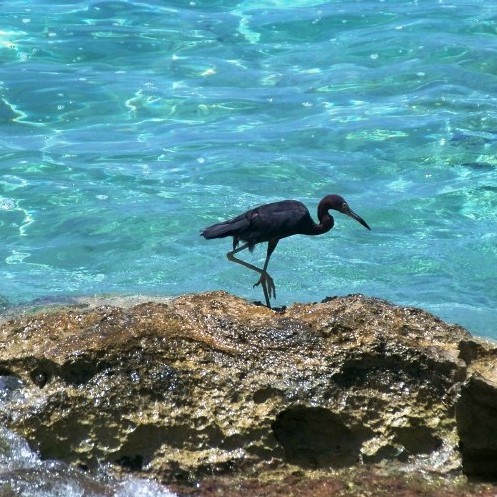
[24, 474]
[126, 127]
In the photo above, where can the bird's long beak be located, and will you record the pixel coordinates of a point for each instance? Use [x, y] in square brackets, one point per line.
[359, 219]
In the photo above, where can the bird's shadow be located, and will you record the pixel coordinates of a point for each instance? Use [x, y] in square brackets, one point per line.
[277, 310]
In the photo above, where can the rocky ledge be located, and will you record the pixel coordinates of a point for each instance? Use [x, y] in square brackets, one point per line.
[209, 384]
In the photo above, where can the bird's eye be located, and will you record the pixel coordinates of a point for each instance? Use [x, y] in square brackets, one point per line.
[345, 206]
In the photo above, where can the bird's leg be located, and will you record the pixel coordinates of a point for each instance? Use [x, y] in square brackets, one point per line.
[267, 294]
[267, 284]
[267, 287]
[232, 258]
[265, 280]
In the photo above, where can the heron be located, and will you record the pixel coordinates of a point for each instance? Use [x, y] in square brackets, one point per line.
[270, 223]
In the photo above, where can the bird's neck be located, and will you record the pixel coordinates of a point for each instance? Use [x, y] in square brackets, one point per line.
[325, 224]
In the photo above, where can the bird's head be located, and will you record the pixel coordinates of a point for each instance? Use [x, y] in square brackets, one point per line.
[338, 203]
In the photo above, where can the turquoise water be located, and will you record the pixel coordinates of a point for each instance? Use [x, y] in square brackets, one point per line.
[126, 127]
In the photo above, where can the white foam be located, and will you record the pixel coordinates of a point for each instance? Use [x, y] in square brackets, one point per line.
[26, 475]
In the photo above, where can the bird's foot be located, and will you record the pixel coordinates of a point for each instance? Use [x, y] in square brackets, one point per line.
[268, 287]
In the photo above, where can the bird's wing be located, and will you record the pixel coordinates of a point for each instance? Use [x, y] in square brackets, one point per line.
[267, 222]
[274, 221]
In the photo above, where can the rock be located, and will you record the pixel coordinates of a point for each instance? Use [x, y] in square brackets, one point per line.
[477, 410]
[209, 384]
[364, 480]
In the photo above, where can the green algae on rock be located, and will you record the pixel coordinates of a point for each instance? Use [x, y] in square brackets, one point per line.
[209, 384]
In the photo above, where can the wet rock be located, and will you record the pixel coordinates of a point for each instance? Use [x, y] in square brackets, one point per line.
[209, 384]
[476, 412]
[352, 482]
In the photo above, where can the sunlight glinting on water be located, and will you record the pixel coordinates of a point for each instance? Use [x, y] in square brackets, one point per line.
[127, 127]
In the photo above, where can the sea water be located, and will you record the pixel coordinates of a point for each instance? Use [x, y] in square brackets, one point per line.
[128, 126]
[24, 474]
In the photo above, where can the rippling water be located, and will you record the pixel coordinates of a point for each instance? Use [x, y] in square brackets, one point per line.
[126, 127]
[24, 474]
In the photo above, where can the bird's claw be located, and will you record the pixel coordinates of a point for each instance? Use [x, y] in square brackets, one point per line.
[268, 287]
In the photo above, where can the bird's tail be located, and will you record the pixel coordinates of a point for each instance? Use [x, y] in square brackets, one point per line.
[226, 228]
[216, 231]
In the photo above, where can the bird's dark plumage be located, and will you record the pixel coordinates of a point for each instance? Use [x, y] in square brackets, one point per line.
[267, 222]
[272, 222]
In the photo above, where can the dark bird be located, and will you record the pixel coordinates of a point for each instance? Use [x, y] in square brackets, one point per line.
[272, 222]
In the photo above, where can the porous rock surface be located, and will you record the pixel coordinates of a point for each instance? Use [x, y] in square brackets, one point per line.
[210, 384]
